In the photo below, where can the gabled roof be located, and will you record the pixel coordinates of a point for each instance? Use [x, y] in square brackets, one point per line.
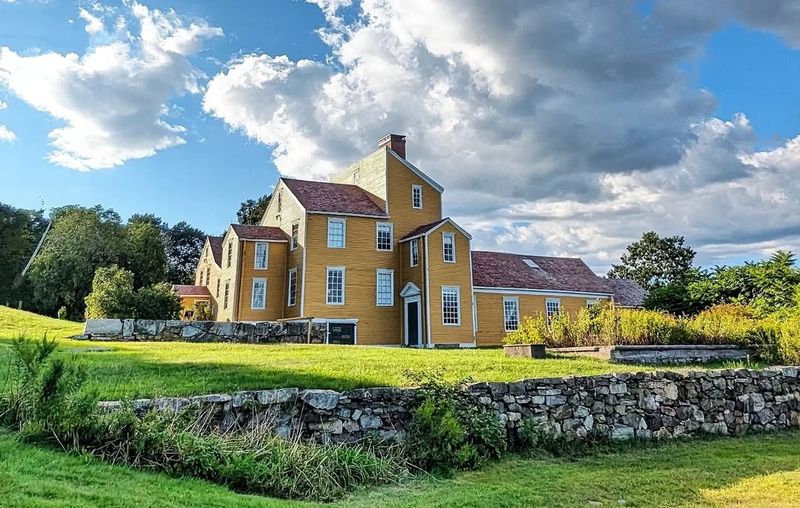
[509, 271]
[186, 290]
[216, 248]
[333, 198]
[427, 229]
[627, 292]
[269, 233]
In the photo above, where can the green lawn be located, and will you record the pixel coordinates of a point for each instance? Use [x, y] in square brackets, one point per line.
[755, 471]
[146, 369]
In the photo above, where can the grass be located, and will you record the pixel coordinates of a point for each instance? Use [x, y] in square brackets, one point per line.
[146, 369]
[757, 471]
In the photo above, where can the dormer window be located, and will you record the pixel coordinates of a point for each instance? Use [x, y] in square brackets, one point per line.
[530, 263]
[416, 196]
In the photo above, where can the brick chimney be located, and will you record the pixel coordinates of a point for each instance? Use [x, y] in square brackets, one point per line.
[396, 142]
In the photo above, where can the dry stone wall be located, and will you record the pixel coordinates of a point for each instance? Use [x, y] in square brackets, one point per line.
[268, 332]
[642, 405]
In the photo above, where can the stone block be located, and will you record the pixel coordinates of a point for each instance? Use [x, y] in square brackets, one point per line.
[320, 399]
[279, 396]
[103, 327]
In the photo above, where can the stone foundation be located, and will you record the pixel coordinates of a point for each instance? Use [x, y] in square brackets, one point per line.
[270, 332]
[662, 354]
[642, 405]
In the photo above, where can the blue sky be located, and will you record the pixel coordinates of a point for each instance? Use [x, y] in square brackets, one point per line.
[678, 118]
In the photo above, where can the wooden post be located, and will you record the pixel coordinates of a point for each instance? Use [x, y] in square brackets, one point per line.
[308, 332]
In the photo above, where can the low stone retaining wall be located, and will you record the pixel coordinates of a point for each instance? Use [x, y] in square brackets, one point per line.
[662, 355]
[643, 405]
[205, 331]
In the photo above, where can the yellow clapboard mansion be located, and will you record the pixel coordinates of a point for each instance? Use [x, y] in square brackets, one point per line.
[370, 254]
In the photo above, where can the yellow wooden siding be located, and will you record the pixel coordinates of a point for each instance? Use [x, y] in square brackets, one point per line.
[404, 215]
[368, 173]
[450, 274]
[228, 274]
[274, 275]
[207, 265]
[361, 260]
[491, 320]
[187, 303]
[416, 275]
[291, 213]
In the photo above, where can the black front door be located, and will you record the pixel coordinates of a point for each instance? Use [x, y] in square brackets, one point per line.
[412, 323]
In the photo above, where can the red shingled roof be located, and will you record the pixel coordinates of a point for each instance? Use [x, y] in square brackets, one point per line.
[330, 197]
[259, 232]
[423, 229]
[216, 248]
[184, 290]
[627, 292]
[504, 270]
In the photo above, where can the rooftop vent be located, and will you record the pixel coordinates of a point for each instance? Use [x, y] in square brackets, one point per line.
[530, 263]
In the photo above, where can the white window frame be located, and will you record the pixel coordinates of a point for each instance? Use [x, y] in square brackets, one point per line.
[413, 252]
[591, 302]
[327, 286]
[378, 273]
[295, 239]
[414, 189]
[452, 236]
[291, 302]
[230, 254]
[344, 232]
[253, 294]
[266, 256]
[547, 303]
[280, 202]
[226, 294]
[458, 305]
[378, 226]
[515, 301]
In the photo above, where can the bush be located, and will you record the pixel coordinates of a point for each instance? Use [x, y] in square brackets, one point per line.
[727, 323]
[788, 339]
[62, 313]
[202, 312]
[449, 430]
[113, 296]
[532, 330]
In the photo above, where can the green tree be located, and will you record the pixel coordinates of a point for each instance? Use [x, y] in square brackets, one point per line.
[80, 241]
[654, 261]
[184, 245]
[251, 211]
[20, 231]
[145, 253]
[112, 294]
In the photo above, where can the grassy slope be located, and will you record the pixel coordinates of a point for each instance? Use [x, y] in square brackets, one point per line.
[179, 368]
[757, 472]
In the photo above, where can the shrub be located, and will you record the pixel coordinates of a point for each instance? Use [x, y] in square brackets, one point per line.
[449, 430]
[202, 312]
[788, 339]
[62, 313]
[726, 323]
[532, 330]
[157, 302]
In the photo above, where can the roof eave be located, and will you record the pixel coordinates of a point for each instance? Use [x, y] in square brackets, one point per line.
[430, 181]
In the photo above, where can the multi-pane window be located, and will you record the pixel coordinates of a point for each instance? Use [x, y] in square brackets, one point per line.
[261, 255]
[385, 288]
[201, 278]
[384, 237]
[451, 296]
[553, 307]
[208, 276]
[336, 233]
[335, 286]
[227, 294]
[414, 251]
[295, 235]
[591, 303]
[259, 299]
[217, 288]
[230, 253]
[416, 196]
[449, 247]
[280, 202]
[511, 314]
[292, 298]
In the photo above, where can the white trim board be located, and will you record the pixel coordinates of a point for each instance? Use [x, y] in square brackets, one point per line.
[539, 292]
[430, 181]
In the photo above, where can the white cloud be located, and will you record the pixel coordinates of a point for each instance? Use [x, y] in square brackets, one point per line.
[3, 105]
[6, 135]
[94, 24]
[557, 127]
[113, 99]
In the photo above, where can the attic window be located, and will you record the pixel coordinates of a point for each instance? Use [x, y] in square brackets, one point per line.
[530, 263]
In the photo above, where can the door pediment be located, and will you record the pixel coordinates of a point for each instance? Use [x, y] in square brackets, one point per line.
[410, 289]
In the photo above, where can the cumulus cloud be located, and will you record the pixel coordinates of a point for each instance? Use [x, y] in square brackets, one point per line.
[6, 135]
[113, 99]
[556, 127]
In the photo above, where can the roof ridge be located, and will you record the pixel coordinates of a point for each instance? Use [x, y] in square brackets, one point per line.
[526, 255]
